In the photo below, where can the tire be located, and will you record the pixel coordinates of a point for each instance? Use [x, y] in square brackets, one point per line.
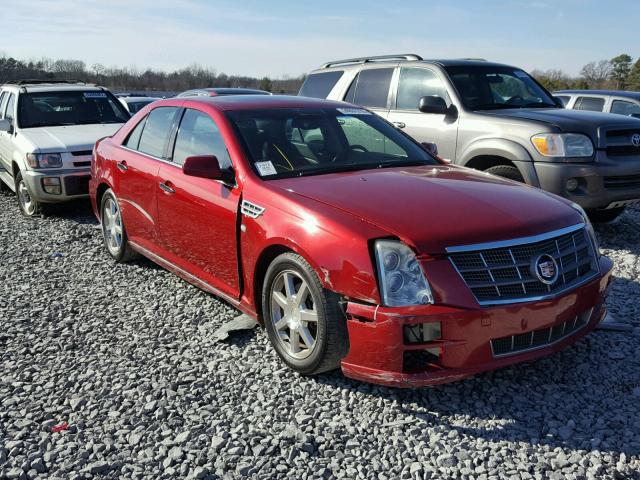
[113, 231]
[605, 216]
[29, 206]
[326, 340]
[506, 171]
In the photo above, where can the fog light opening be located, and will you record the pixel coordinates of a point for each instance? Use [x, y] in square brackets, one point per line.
[418, 361]
[572, 184]
[52, 185]
[422, 333]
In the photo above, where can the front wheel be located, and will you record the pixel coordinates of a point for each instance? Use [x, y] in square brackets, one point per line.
[304, 322]
[29, 206]
[113, 231]
[605, 216]
[506, 171]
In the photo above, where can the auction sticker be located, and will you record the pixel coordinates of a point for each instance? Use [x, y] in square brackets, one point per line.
[353, 111]
[266, 168]
[95, 95]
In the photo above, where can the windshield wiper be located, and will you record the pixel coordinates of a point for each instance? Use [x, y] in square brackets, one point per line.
[538, 105]
[492, 106]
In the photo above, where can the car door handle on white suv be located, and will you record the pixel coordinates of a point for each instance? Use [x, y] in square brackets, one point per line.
[399, 124]
[122, 166]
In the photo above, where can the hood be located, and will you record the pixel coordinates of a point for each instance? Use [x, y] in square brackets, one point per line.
[434, 207]
[68, 138]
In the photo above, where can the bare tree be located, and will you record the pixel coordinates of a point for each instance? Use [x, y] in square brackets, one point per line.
[597, 73]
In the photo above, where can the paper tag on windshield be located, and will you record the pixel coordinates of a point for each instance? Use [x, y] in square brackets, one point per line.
[353, 111]
[521, 74]
[266, 168]
[95, 95]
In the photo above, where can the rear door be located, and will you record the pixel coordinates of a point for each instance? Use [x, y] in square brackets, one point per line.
[7, 103]
[197, 217]
[413, 84]
[371, 88]
[135, 176]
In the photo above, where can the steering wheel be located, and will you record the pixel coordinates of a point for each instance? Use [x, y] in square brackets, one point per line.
[513, 100]
[344, 152]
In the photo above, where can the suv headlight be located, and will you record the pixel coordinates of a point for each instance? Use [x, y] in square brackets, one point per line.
[402, 281]
[44, 160]
[590, 230]
[563, 144]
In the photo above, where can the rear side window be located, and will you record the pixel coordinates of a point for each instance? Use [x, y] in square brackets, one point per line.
[625, 108]
[199, 135]
[156, 131]
[318, 85]
[3, 95]
[370, 88]
[11, 103]
[592, 104]
[416, 83]
[133, 141]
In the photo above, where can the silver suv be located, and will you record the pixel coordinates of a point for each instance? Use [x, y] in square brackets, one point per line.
[610, 101]
[496, 118]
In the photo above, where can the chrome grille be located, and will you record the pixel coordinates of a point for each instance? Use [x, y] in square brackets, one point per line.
[504, 272]
[544, 337]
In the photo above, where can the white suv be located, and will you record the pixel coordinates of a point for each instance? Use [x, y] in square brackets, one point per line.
[47, 133]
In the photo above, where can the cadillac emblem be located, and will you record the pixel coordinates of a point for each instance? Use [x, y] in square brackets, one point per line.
[545, 269]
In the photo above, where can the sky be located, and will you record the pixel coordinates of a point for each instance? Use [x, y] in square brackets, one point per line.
[291, 37]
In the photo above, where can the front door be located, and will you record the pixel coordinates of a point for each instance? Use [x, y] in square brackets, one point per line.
[413, 84]
[7, 102]
[197, 216]
[135, 179]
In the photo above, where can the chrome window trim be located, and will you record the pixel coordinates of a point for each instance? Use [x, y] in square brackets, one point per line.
[516, 241]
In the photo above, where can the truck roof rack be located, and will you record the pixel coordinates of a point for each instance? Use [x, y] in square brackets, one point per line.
[379, 58]
[42, 81]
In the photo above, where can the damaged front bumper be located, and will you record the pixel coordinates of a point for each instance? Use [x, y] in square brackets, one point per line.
[471, 340]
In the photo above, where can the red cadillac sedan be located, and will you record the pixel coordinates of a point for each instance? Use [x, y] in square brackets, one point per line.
[351, 243]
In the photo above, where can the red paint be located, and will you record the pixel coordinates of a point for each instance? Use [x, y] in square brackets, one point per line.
[60, 427]
[331, 221]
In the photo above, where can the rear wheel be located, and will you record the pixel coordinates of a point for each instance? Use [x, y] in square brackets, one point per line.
[29, 206]
[605, 216]
[113, 231]
[506, 171]
[304, 322]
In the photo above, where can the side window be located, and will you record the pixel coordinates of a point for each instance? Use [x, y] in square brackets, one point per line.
[133, 141]
[372, 87]
[563, 98]
[593, 104]
[199, 135]
[156, 131]
[625, 108]
[351, 93]
[3, 96]
[318, 85]
[9, 111]
[416, 83]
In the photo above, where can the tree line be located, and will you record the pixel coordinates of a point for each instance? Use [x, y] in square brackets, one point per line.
[134, 79]
[618, 73]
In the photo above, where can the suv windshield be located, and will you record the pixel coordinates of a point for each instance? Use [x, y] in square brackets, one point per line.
[490, 87]
[40, 109]
[296, 142]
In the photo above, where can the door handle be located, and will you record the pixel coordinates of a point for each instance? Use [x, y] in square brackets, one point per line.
[399, 124]
[166, 188]
[122, 166]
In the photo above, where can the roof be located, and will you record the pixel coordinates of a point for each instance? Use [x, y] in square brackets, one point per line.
[48, 87]
[411, 59]
[225, 91]
[257, 102]
[615, 93]
[138, 99]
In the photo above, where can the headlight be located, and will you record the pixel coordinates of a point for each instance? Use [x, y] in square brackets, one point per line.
[590, 230]
[44, 160]
[401, 279]
[563, 145]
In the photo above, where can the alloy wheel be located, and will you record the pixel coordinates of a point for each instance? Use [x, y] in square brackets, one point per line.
[112, 226]
[294, 314]
[24, 197]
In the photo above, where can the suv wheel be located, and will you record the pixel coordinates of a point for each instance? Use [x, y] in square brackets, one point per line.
[29, 206]
[113, 231]
[605, 216]
[506, 171]
[304, 322]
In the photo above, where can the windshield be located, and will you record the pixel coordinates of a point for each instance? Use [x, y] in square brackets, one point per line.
[490, 88]
[297, 142]
[40, 109]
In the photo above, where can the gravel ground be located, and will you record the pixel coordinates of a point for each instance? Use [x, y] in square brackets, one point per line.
[126, 356]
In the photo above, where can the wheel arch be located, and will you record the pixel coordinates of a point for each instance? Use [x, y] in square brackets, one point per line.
[103, 187]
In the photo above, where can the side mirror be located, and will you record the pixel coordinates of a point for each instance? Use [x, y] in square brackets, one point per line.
[430, 147]
[559, 103]
[433, 104]
[635, 115]
[204, 166]
[6, 126]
